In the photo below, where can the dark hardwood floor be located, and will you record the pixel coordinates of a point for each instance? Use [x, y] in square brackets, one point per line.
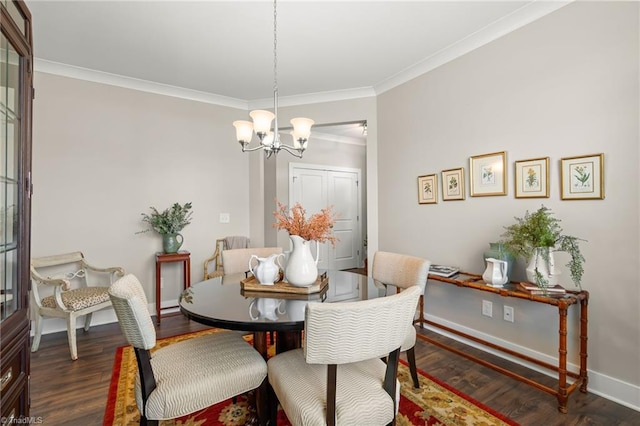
[65, 392]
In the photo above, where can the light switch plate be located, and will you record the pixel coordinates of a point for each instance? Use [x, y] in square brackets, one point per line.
[225, 218]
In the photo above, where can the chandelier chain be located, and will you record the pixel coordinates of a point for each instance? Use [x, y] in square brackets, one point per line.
[275, 47]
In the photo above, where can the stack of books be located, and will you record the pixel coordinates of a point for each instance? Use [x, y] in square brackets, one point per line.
[534, 289]
[443, 270]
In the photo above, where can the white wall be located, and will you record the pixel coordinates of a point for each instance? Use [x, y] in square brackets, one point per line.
[102, 155]
[565, 85]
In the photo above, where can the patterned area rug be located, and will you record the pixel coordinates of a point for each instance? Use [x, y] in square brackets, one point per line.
[435, 403]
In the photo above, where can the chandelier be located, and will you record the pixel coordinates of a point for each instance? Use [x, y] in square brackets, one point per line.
[270, 139]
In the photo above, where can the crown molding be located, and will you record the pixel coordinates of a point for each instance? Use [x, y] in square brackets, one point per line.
[337, 138]
[50, 67]
[314, 98]
[517, 19]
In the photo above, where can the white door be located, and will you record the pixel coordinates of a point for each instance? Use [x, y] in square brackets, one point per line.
[317, 187]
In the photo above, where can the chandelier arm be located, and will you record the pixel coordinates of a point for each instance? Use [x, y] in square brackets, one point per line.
[244, 149]
[296, 152]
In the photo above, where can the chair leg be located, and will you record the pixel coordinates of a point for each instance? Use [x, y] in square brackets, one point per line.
[273, 407]
[87, 321]
[145, 422]
[411, 357]
[71, 333]
[38, 333]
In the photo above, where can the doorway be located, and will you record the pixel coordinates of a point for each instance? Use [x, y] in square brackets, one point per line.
[319, 186]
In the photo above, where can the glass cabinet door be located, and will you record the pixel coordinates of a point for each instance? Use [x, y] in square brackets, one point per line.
[10, 115]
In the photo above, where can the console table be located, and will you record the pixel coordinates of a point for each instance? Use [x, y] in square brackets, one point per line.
[181, 256]
[564, 389]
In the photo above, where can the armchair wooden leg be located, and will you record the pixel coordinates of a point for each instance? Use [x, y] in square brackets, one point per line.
[87, 321]
[71, 334]
[38, 333]
[411, 357]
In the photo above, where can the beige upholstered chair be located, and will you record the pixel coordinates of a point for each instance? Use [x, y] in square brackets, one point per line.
[69, 295]
[213, 266]
[338, 377]
[403, 271]
[187, 376]
[236, 261]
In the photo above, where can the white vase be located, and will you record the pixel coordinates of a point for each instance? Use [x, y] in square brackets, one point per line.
[546, 269]
[302, 268]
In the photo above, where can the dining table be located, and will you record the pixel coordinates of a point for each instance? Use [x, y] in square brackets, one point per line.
[223, 302]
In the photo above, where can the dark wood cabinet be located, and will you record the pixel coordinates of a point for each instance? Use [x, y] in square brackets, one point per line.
[16, 94]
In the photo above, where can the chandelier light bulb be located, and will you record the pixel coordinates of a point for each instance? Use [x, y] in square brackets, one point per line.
[301, 128]
[244, 130]
[262, 120]
[268, 139]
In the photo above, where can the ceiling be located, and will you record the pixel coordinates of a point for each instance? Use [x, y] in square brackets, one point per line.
[326, 50]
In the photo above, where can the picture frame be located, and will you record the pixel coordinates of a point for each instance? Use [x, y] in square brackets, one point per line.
[428, 189]
[453, 184]
[488, 174]
[582, 178]
[532, 178]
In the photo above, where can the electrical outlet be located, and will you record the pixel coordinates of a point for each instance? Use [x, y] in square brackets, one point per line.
[508, 313]
[487, 308]
[225, 218]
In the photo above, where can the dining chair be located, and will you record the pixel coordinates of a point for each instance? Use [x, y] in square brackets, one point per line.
[213, 265]
[187, 376]
[403, 271]
[64, 286]
[339, 376]
[237, 260]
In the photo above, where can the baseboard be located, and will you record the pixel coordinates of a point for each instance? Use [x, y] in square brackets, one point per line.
[613, 389]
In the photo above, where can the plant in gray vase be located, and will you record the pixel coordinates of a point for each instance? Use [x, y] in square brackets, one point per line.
[535, 237]
[168, 223]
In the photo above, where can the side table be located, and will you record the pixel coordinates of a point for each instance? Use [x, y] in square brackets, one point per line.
[181, 256]
[567, 381]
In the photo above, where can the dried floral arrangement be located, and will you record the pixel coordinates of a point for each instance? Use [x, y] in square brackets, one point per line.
[317, 227]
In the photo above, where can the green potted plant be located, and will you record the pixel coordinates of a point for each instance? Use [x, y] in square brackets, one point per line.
[168, 223]
[535, 237]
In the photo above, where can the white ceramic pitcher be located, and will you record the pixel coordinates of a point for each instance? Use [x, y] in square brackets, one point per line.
[268, 308]
[267, 269]
[496, 273]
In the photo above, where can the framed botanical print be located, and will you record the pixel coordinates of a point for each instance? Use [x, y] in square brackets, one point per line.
[488, 174]
[453, 184]
[582, 178]
[428, 189]
[532, 178]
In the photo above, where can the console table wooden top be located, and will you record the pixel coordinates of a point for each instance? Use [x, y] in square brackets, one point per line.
[467, 279]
